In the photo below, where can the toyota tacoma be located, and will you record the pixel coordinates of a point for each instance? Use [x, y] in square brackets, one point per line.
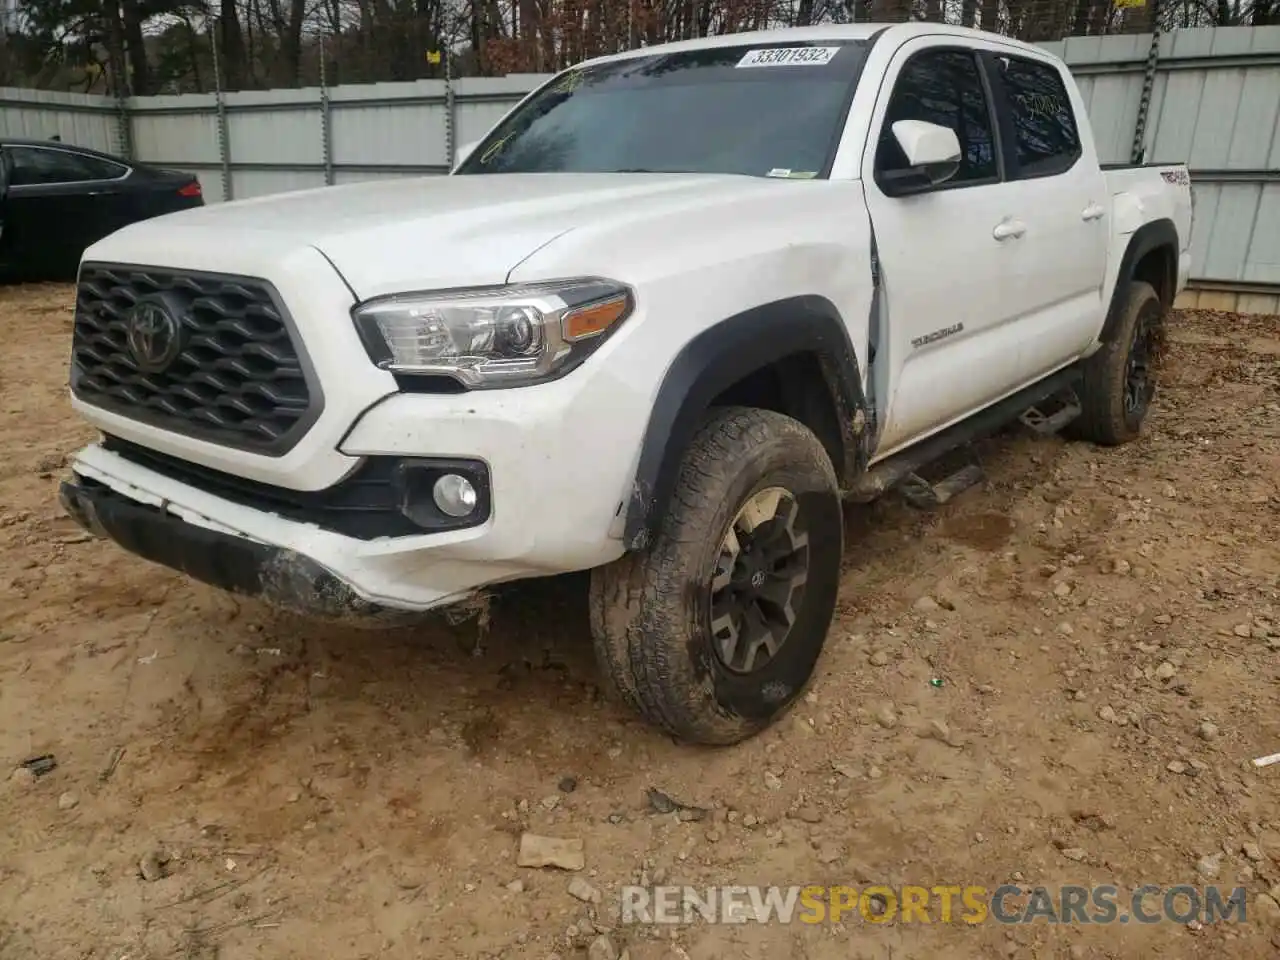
[671, 313]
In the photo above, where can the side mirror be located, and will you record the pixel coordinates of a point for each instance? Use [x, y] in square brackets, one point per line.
[933, 156]
[464, 151]
[6, 172]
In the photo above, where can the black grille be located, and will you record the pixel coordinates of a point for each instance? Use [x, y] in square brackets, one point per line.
[366, 505]
[238, 380]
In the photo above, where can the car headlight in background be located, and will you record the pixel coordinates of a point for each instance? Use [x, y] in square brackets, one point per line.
[493, 336]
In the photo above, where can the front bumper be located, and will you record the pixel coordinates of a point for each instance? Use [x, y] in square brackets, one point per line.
[560, 458]
[282, 577]
[538, 527]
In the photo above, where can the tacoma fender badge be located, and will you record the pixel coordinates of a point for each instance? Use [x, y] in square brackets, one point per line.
[937, 335]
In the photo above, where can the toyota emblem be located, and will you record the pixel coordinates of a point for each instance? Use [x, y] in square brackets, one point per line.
[154, 335]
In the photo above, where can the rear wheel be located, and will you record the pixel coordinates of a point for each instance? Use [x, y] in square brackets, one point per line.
[714, 630]
[1120, 379]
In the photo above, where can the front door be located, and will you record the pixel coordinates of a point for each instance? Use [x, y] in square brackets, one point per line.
[945, 254]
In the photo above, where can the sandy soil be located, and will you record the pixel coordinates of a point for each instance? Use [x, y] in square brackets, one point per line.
[315, 792]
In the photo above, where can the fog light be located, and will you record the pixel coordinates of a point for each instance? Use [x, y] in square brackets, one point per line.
[454, 495]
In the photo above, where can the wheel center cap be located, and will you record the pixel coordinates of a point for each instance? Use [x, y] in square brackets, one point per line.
[758, 583]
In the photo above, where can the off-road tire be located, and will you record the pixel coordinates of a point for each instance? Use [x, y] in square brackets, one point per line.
[651, 609]
[1105, 418]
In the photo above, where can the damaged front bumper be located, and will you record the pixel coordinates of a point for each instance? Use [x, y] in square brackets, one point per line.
[281, 577]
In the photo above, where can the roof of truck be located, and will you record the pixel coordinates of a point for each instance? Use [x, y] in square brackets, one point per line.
[830, 31]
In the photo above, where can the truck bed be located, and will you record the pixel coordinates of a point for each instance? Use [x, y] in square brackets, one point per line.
[1127, 176]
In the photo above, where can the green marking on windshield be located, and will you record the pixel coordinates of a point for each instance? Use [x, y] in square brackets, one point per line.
[495, 148]
[569, 82]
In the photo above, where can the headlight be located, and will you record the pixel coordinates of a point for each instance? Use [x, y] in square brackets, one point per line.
[493, 336]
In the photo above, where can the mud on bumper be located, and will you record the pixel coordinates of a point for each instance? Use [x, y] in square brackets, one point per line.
[281, 577]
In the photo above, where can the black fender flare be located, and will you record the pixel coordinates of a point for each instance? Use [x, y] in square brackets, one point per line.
[1148, 237]
[719, 357]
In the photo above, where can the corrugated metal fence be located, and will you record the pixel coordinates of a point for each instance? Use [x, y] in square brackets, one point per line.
[1215, 104]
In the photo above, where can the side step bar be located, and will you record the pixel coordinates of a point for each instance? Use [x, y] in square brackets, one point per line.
[923, 495]
[1046, 424]
[887, 474]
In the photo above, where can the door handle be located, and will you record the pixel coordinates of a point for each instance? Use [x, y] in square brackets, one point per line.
[1009, 229]
[1093, 212]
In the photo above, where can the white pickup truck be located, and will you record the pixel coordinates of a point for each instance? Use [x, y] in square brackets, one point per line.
[671, 312]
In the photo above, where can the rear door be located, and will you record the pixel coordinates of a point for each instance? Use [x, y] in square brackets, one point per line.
[6, 172]
[111, 186]
[1062, 197]
[55, 207]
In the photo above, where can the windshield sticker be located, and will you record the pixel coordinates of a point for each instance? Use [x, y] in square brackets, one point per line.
[788, 57]
[786, 173]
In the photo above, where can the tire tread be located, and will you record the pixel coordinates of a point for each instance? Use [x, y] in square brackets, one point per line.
[635, 602]
[1102, 419]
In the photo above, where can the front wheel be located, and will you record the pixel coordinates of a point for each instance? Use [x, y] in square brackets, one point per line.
[714, 630]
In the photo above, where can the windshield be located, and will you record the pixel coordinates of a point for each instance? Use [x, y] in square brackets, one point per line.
[764, 111]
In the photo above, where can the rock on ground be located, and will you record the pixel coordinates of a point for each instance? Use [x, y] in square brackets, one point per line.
[540, 851]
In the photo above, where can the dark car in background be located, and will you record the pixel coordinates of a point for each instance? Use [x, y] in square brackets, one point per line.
[56, 200]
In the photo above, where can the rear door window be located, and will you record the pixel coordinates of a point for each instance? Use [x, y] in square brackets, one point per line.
[45, 166]
[1046, 140]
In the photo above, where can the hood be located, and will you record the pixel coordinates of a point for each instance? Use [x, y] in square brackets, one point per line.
[407, 234]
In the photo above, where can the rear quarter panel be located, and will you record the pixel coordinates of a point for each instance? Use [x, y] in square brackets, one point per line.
[1142, 195]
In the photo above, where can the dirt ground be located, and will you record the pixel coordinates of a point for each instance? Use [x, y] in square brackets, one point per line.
[1099, 632]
